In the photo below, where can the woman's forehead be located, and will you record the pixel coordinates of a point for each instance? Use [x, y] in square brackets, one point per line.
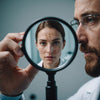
[49, 33]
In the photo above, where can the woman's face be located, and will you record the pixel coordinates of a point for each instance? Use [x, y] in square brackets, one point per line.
[50, 44]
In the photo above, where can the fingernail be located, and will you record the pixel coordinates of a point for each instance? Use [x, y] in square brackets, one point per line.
[21, 36]
[19, 52]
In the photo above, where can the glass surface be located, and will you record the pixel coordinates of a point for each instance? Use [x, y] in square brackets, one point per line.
[68, 51]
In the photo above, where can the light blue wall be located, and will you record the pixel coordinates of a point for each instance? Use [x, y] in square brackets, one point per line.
[17, 15]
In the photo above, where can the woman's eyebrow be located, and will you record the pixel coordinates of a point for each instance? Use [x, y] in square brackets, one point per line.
[56, 39]
[42, 40]
[52, 40]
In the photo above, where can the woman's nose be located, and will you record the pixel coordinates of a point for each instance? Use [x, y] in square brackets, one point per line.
[49, 48]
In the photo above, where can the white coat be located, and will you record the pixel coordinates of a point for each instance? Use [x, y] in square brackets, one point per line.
[41, 63]
[89, 91]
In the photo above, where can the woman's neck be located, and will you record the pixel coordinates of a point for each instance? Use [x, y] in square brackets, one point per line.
[50, 66]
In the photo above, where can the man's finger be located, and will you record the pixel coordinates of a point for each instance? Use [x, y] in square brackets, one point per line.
[8, 58]
[17, 37]
[11, 46]
[31, 71]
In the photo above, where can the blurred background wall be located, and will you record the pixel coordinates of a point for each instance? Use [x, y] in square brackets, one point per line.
[17, 15]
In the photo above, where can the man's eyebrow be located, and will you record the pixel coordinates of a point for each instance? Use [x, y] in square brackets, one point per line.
[87, 13]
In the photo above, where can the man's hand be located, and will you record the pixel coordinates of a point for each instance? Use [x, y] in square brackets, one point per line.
[13, 79]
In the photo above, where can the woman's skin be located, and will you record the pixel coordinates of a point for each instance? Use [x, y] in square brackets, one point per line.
[50, 44]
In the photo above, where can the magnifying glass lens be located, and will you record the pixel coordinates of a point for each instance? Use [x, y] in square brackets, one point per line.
[50, 44]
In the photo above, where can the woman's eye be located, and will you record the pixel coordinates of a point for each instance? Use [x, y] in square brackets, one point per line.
[56, 43]
[43, 43]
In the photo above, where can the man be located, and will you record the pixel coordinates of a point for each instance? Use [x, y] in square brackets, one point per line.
[87, 18]
[13, 79]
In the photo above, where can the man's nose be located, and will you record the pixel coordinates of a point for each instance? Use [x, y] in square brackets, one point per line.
[81, 34]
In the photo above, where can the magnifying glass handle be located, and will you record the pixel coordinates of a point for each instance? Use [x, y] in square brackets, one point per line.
[51, 88]
[51, 93]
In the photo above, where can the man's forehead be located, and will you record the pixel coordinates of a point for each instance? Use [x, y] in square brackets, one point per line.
[83, 7]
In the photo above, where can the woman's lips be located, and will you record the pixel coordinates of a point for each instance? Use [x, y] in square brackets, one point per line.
[49, 57]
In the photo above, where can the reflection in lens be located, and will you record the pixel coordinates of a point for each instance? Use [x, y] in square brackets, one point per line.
[50, 41]
[50, 44]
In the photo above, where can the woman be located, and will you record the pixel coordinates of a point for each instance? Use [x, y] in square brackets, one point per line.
[50, 40]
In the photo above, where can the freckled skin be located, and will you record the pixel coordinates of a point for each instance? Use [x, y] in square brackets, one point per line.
[50, 44]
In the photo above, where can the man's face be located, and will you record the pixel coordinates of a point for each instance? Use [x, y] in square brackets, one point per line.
[89, 34]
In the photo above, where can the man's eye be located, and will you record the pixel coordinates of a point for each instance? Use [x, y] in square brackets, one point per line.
[89, 20]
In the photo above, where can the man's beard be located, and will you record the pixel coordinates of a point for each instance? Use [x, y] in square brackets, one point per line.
[92, 66]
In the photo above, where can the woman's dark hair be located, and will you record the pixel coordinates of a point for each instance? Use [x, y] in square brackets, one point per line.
[51, 24]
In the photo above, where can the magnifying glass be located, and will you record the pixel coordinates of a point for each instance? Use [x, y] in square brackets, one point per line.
[50, 44]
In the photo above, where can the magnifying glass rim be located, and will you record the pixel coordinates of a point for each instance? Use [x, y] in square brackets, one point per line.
[54, 69]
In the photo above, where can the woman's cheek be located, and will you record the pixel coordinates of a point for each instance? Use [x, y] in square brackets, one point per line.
[41, 50]
[58, 50]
